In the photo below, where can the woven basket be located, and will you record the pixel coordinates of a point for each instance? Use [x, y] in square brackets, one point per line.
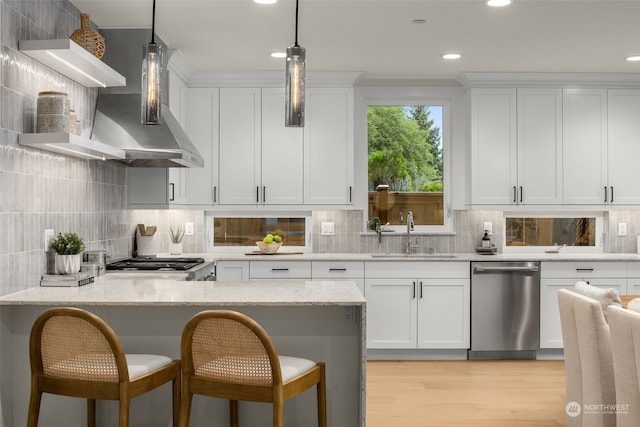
[89, 38]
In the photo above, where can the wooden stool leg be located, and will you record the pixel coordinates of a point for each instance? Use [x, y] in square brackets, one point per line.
[233, 413]
[125, 404]
[91, 412]
[34, 407]
[176, 398]
[321, 390]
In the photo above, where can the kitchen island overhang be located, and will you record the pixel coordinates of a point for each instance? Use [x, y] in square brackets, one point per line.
[319, 320]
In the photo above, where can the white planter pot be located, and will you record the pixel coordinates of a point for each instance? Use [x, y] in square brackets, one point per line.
[175, 248]
[67, 264]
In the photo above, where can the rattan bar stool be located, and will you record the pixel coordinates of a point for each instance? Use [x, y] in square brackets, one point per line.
[75, 353]
[227, 354]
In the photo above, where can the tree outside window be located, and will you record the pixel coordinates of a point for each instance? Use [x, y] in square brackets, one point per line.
[405, 164]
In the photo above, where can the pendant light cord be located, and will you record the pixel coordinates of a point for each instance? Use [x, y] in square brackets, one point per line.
[296, 42]
[153, 23]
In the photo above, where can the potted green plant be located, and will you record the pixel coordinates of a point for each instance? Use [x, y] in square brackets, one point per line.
[175, 247]
[68, 247]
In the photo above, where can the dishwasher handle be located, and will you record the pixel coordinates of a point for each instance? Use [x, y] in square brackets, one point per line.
[524, 269]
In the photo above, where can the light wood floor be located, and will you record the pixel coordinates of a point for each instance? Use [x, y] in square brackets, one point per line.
[465, 393]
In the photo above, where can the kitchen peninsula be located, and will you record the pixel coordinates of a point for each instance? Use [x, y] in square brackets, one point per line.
[319, 320]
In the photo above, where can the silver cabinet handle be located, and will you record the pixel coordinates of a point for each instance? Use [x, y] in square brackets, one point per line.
[257, 194]
[421, 286]
[338, 269]
[413, 287]
[279, 269]
[612, 194]
[605, 194]
[520, 194]
[173, 191]
[514, 194]
[264, 194]
[215, 194]
[585, 269]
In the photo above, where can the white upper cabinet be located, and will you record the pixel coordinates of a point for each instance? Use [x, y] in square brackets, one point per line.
[240, 146]
[539, 146]
[585, 147]
[516, 146]
[202, 128]
[493, 147]
[328, 146]
[624, 146]
[282, 153]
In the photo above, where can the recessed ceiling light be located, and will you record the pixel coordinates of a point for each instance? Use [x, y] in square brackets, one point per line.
[498, 3]
[633, 58]
[265, 1]
[418, 21]
[278, 54]
[451, 56]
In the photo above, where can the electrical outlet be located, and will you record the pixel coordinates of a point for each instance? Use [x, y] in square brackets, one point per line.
[48, 235]
[622, 229]
[328, 228]
[188, 229]
[488, 227]
[348, 313]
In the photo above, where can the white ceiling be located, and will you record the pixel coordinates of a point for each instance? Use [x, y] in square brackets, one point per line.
[377, 37]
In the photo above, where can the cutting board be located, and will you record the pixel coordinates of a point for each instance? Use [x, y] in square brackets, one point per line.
[277, 253]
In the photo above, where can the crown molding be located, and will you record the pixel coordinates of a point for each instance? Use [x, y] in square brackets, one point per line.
[498, 79]
[270, 79]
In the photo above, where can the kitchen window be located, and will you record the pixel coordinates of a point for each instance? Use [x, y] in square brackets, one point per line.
[581, 233]
[407, 158]
[239, 233]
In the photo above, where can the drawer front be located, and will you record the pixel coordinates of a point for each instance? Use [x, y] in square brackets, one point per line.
[633, 269]
[583, 270]
[417, 269]
[337, 269]
[280, 270]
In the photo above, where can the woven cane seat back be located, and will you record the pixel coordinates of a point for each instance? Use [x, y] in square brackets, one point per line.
[227, 350]
[75, 349]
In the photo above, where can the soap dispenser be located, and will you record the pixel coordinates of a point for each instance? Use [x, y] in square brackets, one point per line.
[486, 241]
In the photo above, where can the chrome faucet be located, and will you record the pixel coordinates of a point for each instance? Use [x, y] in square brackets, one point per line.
[410, 248]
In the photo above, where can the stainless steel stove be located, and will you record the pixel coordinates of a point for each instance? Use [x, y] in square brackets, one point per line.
[196, 268]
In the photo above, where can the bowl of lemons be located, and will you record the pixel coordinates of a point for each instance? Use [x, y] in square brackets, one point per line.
[270, 244]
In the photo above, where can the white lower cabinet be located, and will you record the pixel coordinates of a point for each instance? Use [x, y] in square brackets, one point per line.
[563, 275]
[339, 271]
[285, 269]
[232, 271]
[417, 305]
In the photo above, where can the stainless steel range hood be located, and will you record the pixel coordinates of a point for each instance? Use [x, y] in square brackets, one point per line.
[117, 119]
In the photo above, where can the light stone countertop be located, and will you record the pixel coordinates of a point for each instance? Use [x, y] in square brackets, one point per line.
[166, 289]
[566, 256]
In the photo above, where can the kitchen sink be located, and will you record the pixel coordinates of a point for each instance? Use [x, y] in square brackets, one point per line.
[418, 256]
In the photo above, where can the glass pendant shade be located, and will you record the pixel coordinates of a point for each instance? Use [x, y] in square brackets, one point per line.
[294, 86]
[151, 77]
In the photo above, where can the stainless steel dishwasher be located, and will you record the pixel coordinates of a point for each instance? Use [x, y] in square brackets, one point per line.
[505, 310]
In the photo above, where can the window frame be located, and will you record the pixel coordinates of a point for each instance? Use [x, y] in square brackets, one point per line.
[597, 249]
[400, 100]
[209, 217]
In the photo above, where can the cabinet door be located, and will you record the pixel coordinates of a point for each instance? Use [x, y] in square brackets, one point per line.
[202, 128]
[444, 313]
[328, 146]
[227, 271]
[539, 146]
[282, 153]
[391, 313]
[240, 156]
[584, 143]
[178, 92]
[550, 328]
[493, 147]
[624, 146]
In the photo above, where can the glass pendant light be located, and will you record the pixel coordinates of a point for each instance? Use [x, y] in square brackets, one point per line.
[294, 86]
[151, 76]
